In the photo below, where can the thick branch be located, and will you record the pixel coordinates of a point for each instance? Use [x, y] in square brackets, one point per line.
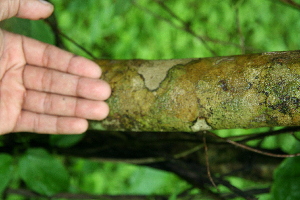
[190, 95]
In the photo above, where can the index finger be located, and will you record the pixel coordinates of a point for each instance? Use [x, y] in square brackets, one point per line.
[45, 55]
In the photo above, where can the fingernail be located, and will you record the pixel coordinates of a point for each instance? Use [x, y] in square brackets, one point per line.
[44, 2]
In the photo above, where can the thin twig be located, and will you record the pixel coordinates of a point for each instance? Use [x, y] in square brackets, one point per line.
[255, 191]
[237, 191]
[149, 160]
[239, 30]
[77, 45]
[186, 27]
[267, 134]
[255, 150]
[291, 3]
[207, 163]
[166, 8]
[57, 32]
[188, 30]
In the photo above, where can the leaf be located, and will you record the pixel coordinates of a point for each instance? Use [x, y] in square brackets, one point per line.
[6, 169]
[43, 173]
[286, 184]
[149, 181]
[42, 32]
[38, 30]
[65, 140]
[122, 6]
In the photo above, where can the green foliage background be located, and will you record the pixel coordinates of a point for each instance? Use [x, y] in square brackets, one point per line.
[127, 29]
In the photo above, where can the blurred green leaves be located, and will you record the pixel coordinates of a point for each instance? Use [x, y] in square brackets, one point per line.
[125, 179]
[149, 181]
[35, 29]
[43, 173]
[122, 6]
[287, 180]
[287, 177]
[141, 29]
[65, 140]
[6, 170]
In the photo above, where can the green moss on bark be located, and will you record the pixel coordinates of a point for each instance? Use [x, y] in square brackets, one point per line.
[195, 94]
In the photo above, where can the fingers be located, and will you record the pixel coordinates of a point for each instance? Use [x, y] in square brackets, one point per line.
[34, 9]
[46, 80]
[33, 52]
[53, 104]
[45, 55]
[40, 123]
[30, 9]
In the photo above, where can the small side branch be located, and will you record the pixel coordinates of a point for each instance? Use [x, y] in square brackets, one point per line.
[291, 3]
[253, 149]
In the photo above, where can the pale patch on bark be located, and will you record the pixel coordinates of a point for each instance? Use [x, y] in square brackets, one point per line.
[201, 125]
[224, 59]
[154, 72]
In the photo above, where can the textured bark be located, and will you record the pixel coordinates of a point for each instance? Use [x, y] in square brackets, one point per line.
[189, 95]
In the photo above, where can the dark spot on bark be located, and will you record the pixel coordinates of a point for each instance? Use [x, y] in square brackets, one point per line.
[273, 121]
[282, 82]
[286, 105]
[280, 60]
[249, 85]
[223, 85]
[265, 93]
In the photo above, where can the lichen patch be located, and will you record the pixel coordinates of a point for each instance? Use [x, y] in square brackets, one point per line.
[200, 125]
[155, 72]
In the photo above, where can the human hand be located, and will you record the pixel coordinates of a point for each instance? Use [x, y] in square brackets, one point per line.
[44, 89]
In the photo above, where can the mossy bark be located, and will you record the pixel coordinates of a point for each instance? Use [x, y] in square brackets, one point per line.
[245, 91]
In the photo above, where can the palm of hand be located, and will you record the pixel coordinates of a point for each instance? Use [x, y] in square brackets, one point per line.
[44, 89]
[47, 90]
[12, 88]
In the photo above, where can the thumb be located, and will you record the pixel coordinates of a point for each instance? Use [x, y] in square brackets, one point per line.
[30, 9]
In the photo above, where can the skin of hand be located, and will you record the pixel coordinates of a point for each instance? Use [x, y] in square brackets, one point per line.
[44, 89]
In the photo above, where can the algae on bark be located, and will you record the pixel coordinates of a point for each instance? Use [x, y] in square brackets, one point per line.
[245, 91]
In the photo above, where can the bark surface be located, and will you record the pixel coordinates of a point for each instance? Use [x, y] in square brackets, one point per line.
[190, 95]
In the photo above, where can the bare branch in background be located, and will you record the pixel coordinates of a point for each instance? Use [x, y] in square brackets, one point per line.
[291, 3]
[240, 32]
[255, 150]
[58, 34]
[185, 26]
